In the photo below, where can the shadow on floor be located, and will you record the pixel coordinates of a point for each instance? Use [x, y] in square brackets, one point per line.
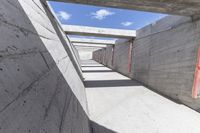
[110, 83]
[96, 128]
[96, 71]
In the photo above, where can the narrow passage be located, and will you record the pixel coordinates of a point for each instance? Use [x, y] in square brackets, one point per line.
[118, 104]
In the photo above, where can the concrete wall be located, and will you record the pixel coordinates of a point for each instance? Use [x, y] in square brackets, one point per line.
[121, 56]
[76, 53]
[99, 55]
[109, 56]
[40, 88]
[116, 57]
[164, 57]
[96, 55]
[85, 53]
[104, 56]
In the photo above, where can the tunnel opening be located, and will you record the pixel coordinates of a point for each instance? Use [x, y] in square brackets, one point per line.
[153, 58]
[87, 69]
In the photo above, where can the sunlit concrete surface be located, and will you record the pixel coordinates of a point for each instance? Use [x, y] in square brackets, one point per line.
[98, 32]
[120, 105]
[85, 51]
[89, 45]
[92, 41]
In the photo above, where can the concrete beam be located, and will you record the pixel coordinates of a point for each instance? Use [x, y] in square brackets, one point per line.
[100, 32]
[89, 45]
[92, 41]
[179, 7]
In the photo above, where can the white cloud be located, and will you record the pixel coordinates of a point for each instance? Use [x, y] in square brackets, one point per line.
[63, 15]
[127, 23]
[101, 14]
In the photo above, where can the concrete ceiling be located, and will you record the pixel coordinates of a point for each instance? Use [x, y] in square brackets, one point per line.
[179, 7]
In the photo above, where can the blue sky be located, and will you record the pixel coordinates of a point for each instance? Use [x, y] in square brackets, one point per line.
[77, 14]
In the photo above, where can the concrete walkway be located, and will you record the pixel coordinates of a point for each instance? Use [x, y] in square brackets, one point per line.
[120, 105]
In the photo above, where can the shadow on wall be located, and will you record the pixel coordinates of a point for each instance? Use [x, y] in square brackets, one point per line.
[96, 128]
[110, 83]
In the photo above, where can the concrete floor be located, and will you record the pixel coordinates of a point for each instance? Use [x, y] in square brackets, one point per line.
[120, 105]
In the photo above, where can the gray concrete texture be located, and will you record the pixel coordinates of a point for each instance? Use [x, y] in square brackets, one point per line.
[178, 7]
[40, 88]
[98, 55]
[103, 55]
[109, 56]
[96, 31]
[92, 41]
[164, 57]
[118, 104]
[118, 59]
[85, 52]
[121, 56]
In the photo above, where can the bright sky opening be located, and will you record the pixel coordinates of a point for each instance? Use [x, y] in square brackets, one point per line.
[77, 14]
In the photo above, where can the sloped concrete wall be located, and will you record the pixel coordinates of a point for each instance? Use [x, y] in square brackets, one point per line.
[76, 53]
[40, 88]
[165, 56]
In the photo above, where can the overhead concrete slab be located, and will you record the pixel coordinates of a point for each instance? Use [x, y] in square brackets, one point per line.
[100, 32]
[92, 41]
[89, 45]
[179, 7]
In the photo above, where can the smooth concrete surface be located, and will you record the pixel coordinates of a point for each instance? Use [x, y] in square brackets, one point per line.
[120, 105]
[90, 45]
[99, 32]
[98, 55]
[179, 7]
[40, 88]
[92, 41]
[109, 56]
[117, 57]
[85, 52]
[121, 56]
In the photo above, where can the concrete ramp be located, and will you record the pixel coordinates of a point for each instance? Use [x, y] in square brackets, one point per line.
[118, 104]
